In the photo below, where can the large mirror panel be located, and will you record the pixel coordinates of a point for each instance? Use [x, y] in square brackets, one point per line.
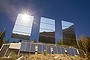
[47, 30]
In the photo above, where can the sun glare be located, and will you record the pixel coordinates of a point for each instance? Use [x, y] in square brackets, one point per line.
[25, 17]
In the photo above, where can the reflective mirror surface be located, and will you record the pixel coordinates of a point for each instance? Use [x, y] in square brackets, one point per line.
[23, 26]
[68, 32]
[47, 30]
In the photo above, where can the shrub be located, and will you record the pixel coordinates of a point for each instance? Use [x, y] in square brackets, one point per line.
[45, 52]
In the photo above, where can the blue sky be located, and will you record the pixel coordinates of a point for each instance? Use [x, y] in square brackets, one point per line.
[76, 11]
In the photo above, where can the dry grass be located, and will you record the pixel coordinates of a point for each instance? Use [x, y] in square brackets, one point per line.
[7, 58]
[53, 57]
[47, 57]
